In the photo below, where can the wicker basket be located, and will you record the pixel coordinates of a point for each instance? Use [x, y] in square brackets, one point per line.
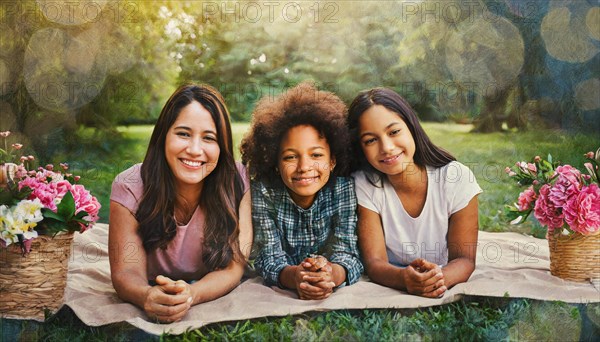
[33, 285]
[575, 257]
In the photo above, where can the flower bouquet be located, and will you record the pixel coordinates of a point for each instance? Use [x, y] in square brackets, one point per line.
[39, 211]
[567, 202]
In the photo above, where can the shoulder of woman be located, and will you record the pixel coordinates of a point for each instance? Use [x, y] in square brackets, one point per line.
[130, 177]
[241, 168]
[243, 172]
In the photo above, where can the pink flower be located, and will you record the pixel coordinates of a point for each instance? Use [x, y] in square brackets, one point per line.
[17, 146]
[589, 155]
[61, 188]
[507, 169]
[532, 167]
[526, 198]
[4, 134]
[21, 172]
[84, 201]
[582, 212]
[589, 167]
[545, 211]
[537, 159]
[567, 185]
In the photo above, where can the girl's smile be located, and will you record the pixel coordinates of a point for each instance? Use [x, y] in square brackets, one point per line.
[386, 141]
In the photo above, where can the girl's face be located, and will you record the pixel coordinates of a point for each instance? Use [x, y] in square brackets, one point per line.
[386, 140]
[191, 146]
[305, 163]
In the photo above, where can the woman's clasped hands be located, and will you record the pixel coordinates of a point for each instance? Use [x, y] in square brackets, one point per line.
[425, 279]
[168, 301]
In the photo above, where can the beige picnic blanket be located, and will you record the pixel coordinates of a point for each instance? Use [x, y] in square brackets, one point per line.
[508, 264]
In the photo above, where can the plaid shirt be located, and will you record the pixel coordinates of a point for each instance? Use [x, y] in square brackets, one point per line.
[285, 233]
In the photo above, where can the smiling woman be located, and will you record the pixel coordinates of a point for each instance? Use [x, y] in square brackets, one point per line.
[180, 230]
[191, 147]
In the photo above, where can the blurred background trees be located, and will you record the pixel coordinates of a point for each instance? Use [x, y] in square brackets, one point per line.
[505, 64]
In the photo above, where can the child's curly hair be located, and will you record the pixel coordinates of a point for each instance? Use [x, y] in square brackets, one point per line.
[301, 105]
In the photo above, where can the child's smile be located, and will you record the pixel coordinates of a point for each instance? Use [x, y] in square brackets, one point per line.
[305, 163]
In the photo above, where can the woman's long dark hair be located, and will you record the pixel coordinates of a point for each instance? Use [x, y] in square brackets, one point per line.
[426, 153]
[221, 193]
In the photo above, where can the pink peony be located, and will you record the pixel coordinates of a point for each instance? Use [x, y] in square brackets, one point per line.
[526, 198]
[61, 188]
[545, 211]
[582, 212]
[567, 185]
[44, 191]
[84, 201]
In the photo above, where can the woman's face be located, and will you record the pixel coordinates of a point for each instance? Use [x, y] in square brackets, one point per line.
[305, 163]
[386, 140]
[191, 146]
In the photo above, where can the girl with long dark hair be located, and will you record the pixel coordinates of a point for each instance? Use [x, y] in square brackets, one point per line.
[180, 224]
[418, 221]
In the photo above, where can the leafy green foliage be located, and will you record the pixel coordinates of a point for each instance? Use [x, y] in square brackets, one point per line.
[64, 217]
[11, 195]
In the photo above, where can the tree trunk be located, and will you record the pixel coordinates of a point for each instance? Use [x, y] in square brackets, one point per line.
[492, 115]
[516, 119]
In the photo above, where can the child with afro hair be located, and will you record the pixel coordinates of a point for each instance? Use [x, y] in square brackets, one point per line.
[302, 204]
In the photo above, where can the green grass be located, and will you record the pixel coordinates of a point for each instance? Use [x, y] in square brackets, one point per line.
[472, 319]
[99, 161]
[488, 154]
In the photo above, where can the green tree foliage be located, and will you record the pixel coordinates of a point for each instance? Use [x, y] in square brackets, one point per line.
[64, 65]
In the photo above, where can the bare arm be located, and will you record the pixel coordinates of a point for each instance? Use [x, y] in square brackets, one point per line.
[371, 241]
[127, 258]
[220, 282]
[463, 228]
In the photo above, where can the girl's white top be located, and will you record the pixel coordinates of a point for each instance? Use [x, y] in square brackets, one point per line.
[449, 189]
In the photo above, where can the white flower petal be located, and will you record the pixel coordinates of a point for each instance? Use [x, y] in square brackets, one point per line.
[517, 220]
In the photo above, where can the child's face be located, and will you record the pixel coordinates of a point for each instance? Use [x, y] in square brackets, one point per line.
[191, 146]
[386, 140]
[305, 163]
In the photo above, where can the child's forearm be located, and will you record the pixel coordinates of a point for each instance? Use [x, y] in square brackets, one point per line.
[338, 274]
[287, 277]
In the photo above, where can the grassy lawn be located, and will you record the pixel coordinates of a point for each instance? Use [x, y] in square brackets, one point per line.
[471, 319]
